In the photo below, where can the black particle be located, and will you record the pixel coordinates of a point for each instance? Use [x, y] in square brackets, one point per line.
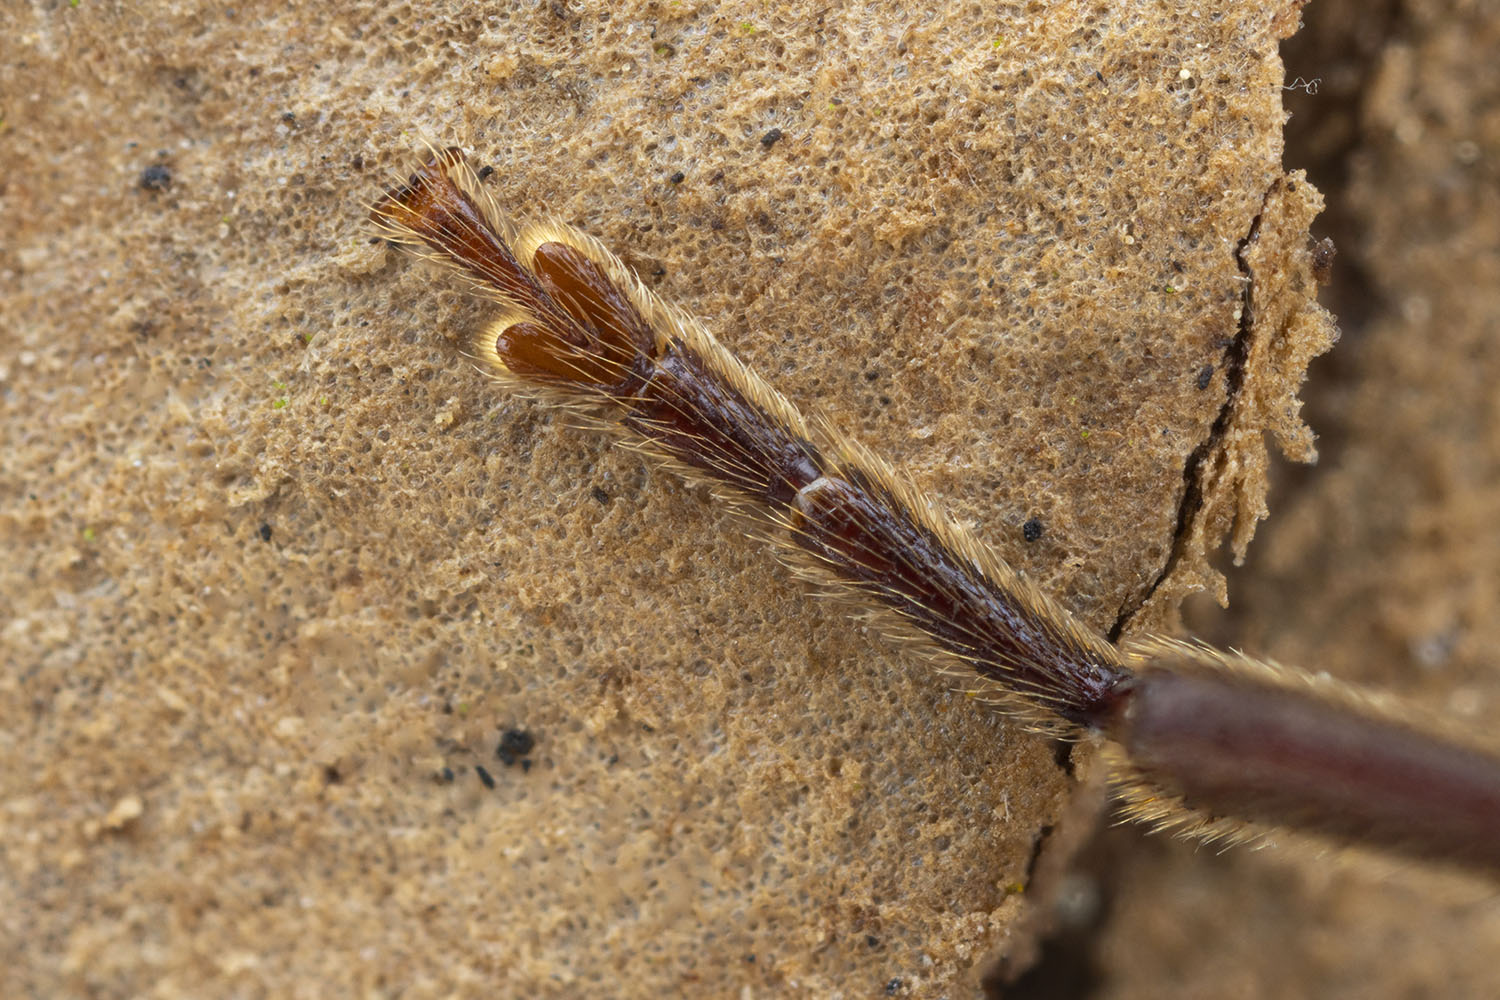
[599, 495]
[1205, 376]
[484, 776]
[893, 987]
[157, 177]
[485, 171]
[678, 177]
[265, 532]
[872, 940]
[771, 138]
[288, 118]
[331, 775]
[446, 776]
[1032, 529]
[514, 744]
[358, 162]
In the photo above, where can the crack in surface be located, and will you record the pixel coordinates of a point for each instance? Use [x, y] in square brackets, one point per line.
[1235, 357]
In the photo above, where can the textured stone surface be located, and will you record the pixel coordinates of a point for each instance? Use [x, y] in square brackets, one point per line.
[281, 570]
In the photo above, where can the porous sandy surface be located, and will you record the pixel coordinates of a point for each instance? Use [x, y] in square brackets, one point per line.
[281, 571]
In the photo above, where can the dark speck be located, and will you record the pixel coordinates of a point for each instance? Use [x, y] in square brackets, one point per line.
[157, 177]
[484, 776]
[872, 940]
[1032, 529]
[771, 138]
[485, 171]
[599, 495]
[446, 775]
[893, 987]
[265, 532]
[1205, 376]
[678, 177]
[331, 775]
[514, 744]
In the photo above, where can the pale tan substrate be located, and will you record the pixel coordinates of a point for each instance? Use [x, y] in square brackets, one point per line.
[276, 557]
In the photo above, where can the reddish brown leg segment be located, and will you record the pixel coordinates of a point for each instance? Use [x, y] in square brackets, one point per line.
[1220, 734]
[1275, 755]
[865, 534]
